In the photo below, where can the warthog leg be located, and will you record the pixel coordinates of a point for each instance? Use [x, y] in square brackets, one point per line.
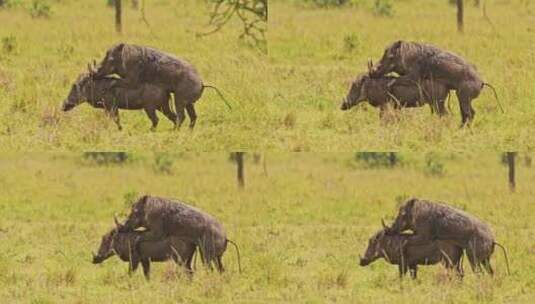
[151, 112]
[145, 263]
[113, 112]
[180, 107]
[166, 110]
[192, 115]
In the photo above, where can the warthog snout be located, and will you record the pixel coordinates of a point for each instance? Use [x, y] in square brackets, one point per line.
[96, 258]
[363, 261]
[67, 106]
[344, 106]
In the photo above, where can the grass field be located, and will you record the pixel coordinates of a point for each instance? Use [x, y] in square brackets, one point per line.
[300, 224]
[285, 101]
[317, 52]
[50, 53]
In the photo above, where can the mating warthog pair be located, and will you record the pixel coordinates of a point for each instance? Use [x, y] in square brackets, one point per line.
[386, 91]
[104, 93]
[147, 78]
[432, 221]
[123, 244]
[395, 250]
[415, 62]
[163, 218]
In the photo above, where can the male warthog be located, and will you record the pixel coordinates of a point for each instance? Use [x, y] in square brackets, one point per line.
[102, 93]
[123, 244]
[394, 250]
[140, 64]
[399, 95]
[437, 221]
[164, 218]
[416, 61]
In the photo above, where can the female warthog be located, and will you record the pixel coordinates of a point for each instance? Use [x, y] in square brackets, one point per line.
[123, 244]
[103, 93]
[394, 249]
[386, 91]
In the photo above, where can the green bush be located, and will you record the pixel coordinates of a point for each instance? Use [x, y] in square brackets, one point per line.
[9, 44]
[40, 9]
[434, 165]
[383, 8]
[163, 164]
[106, 158]
[378, 159]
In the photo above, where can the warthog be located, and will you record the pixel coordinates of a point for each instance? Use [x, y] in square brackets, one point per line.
[416, 61]
[394, 250]
[399, 95]
[140, 64]
[102, 93]
[165, 218]
[437, 221]
[122, 244]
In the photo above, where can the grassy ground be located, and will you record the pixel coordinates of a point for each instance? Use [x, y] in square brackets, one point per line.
[36, 77]
[287, 100]
[317, 52]
[300, 227]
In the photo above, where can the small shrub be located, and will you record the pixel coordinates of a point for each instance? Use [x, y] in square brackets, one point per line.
[383, 8]
[106, 158]
[10, 3]
[163, 163]
[40, 9]
[9, 44]
[351, 42]
[434, 165]
[130, 197]
[378, 159]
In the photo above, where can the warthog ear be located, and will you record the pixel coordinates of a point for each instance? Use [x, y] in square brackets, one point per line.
[411, 202]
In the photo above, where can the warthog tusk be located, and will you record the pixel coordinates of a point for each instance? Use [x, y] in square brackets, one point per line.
[384, 225]
[119, 225]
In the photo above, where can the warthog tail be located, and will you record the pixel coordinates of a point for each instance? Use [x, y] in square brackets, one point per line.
[504, 254]
[219, 93]
[495, 95]
[237, 252]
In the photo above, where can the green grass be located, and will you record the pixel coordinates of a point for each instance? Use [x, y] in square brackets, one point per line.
[317, 52]
[300, 228]
[36, 77]
[285, 101]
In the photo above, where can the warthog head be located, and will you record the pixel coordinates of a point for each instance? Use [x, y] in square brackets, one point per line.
[106, 250]
[390, 61]
[136, 218]
[357, 91]
[82, 90]
[375, 249]
[112, 62]
[404, 219]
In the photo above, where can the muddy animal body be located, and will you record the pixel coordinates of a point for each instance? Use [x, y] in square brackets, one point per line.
[379, 94]
[395, 250]
[438, 221]
[123, 245]
[163, 218]
[140, 64]
[416, 61]
[103, 93]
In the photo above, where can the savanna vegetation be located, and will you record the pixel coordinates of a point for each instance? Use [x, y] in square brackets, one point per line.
[285, 82]
[301, 220]
[47, 44]
[318, 47]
